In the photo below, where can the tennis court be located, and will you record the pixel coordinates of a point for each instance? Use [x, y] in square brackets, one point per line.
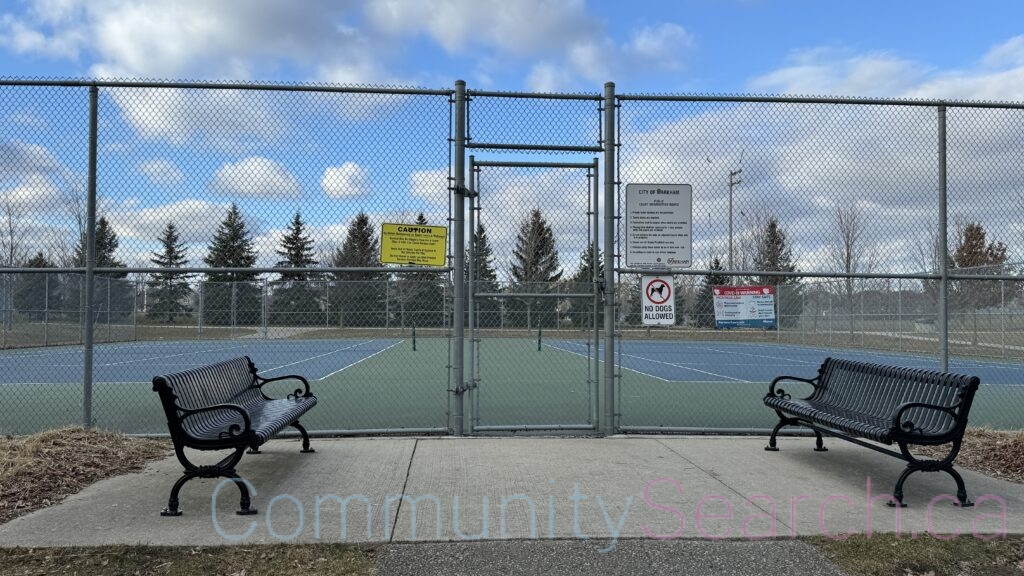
[401, 384]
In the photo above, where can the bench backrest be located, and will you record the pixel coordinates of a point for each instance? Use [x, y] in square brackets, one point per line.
[227, 382]
[877, 390]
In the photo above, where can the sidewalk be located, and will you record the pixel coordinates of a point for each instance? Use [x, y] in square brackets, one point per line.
[562, 497]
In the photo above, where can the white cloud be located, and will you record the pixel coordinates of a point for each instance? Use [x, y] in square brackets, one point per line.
[827, 71]
[196, 221]
[162, 172]
[1006, 54]
[565, 42]
[255, 177]
[35, 192]
[662, 45]
[430, 185]
[32, 178]
[226, 119]
[20, 37]
[346, 181]
[547, 77]
[998, 75]
[520, 28]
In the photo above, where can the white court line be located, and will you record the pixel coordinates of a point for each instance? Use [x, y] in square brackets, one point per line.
[361, 360]
[673, 365]
[735, 353]
[315, 357]
[191, 353]
[686, 368]
[622, 367]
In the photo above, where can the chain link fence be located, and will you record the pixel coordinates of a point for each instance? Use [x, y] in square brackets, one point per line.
[150, 227]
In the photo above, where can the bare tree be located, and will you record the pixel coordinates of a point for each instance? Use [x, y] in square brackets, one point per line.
[13, 249]
[848, 253]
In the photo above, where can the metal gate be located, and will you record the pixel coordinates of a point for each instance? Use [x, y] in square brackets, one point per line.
[534, 331]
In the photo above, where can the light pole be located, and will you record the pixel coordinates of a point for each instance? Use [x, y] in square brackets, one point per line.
[733, 181]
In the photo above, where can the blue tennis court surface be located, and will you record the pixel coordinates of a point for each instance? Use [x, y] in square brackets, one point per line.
[745, 362]
[141, 361]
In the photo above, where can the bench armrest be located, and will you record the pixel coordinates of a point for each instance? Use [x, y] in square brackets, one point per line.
[299, 392]
[772, 391]
[908, 425]
[233, 430]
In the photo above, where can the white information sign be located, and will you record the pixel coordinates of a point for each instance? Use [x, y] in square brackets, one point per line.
[658, 304]
[658, 225]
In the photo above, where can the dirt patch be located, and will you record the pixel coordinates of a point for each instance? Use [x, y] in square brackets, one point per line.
[997, 453]
[42, 469]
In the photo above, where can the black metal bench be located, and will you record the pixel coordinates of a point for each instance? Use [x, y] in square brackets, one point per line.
[222, 406]
[859, 401]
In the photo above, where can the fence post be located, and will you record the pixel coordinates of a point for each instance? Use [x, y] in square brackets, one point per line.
[899, 313]
[470, 414]
[459, 241]
[778, 320]
[595, 279]
[942, 248]
[135, 312]
[46, 311]
[1002, 316]
[265, 309]
[202, 310]
[90, 258]
[607, 423]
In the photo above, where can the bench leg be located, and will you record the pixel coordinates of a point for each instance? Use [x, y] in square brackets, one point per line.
[819, 444]
[944, 465]
[783, 421]
[771, 447]
[223, 469]
[305, 437]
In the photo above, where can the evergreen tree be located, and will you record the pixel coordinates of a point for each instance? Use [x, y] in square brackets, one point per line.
[704, 308]
[169, 292]
[773, 254]
[106, 247]
[35, 294]
[297, 251]
[974, 256]
[296, 301]
[582, 281]
[535, 268]
[231, 298]
[358, 298]
[421, 295]
[113, 296]
[488, 310]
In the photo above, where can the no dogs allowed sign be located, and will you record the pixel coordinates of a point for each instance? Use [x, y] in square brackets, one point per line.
[658, 304]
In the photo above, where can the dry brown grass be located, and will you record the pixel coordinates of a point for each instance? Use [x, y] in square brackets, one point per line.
[997, 453]
[43, 469]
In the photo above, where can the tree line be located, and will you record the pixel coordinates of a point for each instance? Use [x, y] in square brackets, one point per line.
[375, 295]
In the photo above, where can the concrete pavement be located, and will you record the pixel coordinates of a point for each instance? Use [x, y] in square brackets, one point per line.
[594, 496]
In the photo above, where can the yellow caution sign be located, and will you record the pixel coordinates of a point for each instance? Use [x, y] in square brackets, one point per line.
[413, 244]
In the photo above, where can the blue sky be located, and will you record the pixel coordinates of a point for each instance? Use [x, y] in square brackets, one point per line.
[167, 159]
[869, 47]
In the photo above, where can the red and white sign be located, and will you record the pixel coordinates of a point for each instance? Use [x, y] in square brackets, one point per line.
[658, 305]
[744, 306]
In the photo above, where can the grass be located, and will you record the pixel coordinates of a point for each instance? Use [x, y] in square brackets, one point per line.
[886, 555]
[169, 561]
